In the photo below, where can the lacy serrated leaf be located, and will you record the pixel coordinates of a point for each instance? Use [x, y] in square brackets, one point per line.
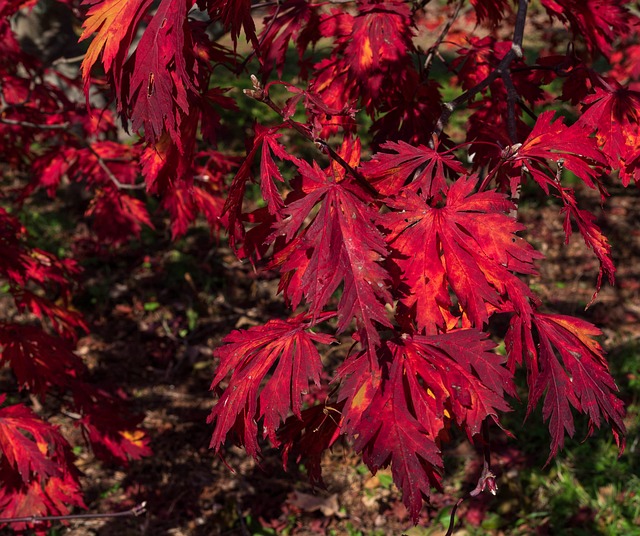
[115, 23]
[431, 380]
[39, 497]
[390, 433]
[613, 113]
[29, 444]
[160, 79]
[598, 22]
[469, 245]
[341, 245]
[38, 360]
[420, 169]
[555, 141]
[582, 380]
[247, 357]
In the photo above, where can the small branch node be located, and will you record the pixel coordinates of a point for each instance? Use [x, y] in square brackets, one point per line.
[517, 49]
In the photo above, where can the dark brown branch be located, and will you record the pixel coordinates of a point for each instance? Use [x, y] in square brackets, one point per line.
[135, 511]
[514, 53]
[261, 95]
[433, 49]
[512, 98]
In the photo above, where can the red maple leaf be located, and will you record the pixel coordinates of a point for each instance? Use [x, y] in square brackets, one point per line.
[420, 169]
[247, 357]
[160, 80]
[431, 380]
[572, 146]
[468, 245]
[29, 444]
[154, 83]
[492, 11]
[117, 217]
[340, 244]
[613, 113]
[599, 22]
[295, 20]
[380, 39]
[235, 15]
[115, 23]
[38, 360]
[581, 380]
[39, 497]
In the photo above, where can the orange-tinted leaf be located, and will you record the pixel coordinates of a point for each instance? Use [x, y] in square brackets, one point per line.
[469, 245]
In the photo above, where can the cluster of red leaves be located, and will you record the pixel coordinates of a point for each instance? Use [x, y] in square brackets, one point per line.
[416, 249]
[36, 469]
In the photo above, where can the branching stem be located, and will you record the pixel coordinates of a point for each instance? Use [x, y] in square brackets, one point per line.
[433, 50]
[503, 67]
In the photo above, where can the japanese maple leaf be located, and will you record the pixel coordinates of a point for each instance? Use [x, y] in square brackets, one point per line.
[340, 245]
[581, 380]
[247, 357]
[115, 445]
[309, 436]
[108, 424]
[64, 320]
[492, 10]
[235, 15]
[410, 112]
[599, 22]
[591, 233]
[469, 244]
[117, 217]
[555, 141]
[160, 75]
[184, 201]
[380, 39]
[613, 113]
[154, 84]
[39, 497]
[420, 168]
[390, 433]
[115, 23]
[295, 20]
[266, 140]
[38, 360]
[431, 380]
[573, 148]
[29, 444]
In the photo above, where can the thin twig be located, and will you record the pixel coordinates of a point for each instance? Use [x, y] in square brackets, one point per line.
[434, 48]
[29, 124]
[105, 168]
[61, 61]
[135, 511]
[109, 173]
[503, 66]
